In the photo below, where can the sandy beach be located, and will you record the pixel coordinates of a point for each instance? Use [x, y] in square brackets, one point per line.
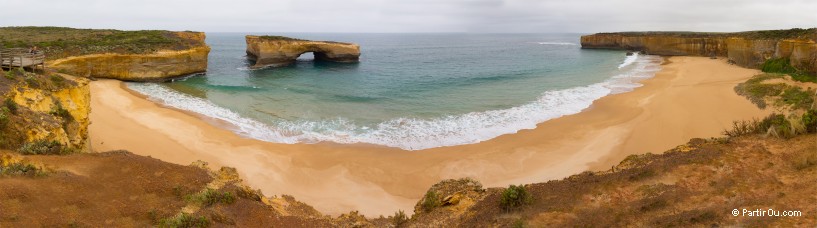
[690, 97]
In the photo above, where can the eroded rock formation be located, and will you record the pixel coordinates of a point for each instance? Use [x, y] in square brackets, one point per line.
[745, 50]
[158, 66]
[281, 51]
[45, 110]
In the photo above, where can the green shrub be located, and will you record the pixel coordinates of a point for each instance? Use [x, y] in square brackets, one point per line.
[4, 118]
[185, 220]
[57, 80]
[211, 196]
[776, 125]
[58, 110]
[514, 197]
[783, 66]
[399, 218]
[10, 105]
[21, 169]
[778, 65]
[42, 147]
[32, 82]
[430, 201]
[809, 120]
[743, 127]
[9, 75]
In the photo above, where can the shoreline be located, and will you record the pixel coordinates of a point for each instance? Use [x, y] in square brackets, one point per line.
[670, 108]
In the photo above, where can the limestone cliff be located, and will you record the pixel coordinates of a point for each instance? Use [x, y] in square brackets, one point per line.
[747, 49]
[157, 66]
[280, 51]
[45, 111]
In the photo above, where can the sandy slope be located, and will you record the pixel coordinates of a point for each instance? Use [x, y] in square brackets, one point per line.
[690, 97]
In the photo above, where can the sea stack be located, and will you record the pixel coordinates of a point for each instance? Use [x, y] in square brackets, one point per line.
[281, 51]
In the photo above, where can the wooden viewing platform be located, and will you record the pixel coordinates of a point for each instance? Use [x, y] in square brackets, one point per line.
[21, 57]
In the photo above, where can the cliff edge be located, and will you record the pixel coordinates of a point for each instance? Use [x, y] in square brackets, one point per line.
[746, 49]
[281, 51]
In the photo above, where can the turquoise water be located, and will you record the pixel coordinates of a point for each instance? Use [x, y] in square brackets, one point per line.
[412, 91]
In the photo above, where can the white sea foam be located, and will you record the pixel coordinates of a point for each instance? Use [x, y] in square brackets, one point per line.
[629, 60]
[416, 134]
[557, 43]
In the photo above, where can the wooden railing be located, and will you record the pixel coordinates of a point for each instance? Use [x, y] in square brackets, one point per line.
[21, 57]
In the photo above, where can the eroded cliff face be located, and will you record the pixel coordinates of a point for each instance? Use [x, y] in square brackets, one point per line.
[280, 52]
[158, 66]
[43, 112]
[744, 52]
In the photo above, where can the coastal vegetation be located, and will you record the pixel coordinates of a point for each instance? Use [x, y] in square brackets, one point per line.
[430, 201]
[61, 42]
[514, 197]
[12, 165]
[761, 92]
[210, 196]
[184, 220]
[783, 66]
[268, 37]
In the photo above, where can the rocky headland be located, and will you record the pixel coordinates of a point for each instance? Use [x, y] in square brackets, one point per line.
[746, 49]
[280, 51]
[149, 55]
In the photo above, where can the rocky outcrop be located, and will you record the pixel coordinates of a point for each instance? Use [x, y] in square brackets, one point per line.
[745, 50]
[47, 110]
[281, 51]
[159, 66]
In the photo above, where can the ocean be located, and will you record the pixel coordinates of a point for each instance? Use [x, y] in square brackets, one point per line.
[411, 91]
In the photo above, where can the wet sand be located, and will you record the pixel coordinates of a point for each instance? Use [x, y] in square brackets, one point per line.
[690, 97]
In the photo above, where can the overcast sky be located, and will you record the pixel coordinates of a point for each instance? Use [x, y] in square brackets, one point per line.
[515, 16]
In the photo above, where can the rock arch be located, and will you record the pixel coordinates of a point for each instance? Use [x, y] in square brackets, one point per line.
[280, 51]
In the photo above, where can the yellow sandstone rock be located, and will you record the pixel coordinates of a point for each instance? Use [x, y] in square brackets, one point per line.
[158, 66]
[281, 51]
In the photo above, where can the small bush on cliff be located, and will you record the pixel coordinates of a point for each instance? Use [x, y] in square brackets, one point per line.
[776, 125]
[399, 218]
[9, 75]
[43, 147]
[57, 80]
[211, 196]
[4, 118]
[58, 110]
[185, 220]
[514, 197]
[10, 105]
[809, 120]
[430, 201]
[32, 81]
[21, 169]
